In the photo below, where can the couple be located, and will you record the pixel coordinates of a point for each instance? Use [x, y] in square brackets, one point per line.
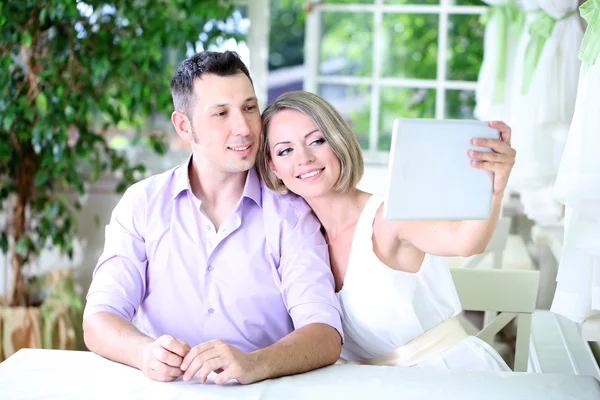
[228, 276]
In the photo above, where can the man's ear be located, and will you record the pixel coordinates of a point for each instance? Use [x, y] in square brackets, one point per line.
[182, 126]
[272, 167]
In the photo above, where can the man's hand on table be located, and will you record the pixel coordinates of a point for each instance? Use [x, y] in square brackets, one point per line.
[161, 359]
[225, 360]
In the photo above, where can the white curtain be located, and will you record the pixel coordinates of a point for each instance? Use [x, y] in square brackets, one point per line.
[578, 186]
[503, 24]
[542, 101]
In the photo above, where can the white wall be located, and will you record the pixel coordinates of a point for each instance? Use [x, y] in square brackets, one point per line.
[374, 179]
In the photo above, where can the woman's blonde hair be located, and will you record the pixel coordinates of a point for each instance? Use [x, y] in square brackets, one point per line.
[332, 125]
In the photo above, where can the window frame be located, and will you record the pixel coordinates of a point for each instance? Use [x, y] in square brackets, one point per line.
[441, 84]
[258, 39]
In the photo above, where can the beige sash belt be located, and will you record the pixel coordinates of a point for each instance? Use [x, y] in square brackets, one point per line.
[422, 348]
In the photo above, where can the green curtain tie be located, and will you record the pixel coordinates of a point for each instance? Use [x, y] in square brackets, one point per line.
[516, 17]
[540, 30]
[508, 17]
[590, 46]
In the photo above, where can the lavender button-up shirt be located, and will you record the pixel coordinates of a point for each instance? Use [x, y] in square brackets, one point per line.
[265, 272]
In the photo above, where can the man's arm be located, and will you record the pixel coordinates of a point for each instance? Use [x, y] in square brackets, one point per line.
[117, 289]
[310, 347]
[308, 290]
[115, 338]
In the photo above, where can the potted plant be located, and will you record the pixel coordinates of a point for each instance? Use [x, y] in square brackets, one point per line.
[69, 71]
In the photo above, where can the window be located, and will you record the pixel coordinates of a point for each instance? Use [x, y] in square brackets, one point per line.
[375, 60]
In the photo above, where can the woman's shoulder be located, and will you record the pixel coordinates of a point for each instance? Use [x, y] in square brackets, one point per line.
[384, 229]
[395, 232]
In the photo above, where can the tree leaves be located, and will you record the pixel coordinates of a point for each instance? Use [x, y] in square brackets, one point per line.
[68, 72]
[41, 101]
[26, 39]
[24, 245]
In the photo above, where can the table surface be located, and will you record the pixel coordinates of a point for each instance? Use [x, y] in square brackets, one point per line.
[53, 374]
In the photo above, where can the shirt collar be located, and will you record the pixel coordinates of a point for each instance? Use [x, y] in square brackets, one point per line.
[252, 188]
[182, 178]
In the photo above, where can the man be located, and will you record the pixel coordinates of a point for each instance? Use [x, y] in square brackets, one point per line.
[207, 257]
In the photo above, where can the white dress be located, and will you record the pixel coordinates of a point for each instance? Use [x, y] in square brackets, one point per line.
[496, 72]
[384, 309]
[578, 187]
[541, 115]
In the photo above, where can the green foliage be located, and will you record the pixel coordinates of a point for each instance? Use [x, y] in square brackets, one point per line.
[286, 38]
[68, 71]
[347, 36]
[62, 298]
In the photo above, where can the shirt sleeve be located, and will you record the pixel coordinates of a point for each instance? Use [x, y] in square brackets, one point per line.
[307, 284]
[119, 280]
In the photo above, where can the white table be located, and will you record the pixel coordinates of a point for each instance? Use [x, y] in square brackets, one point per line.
[53, 374]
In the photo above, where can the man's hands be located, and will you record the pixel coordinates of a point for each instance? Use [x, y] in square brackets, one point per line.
[161, 359]
[227, 361]
[167, 358]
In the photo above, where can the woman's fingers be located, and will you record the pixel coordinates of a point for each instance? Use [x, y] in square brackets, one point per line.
[496, 145]
[492, 156]
[505, 131]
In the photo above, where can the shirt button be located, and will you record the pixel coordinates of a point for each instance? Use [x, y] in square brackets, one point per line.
[211, 311]
[207, 227]
[210, 268]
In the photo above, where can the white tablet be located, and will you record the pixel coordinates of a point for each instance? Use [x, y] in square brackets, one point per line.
[430, 176]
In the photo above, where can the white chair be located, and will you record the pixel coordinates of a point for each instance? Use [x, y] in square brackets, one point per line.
[495, 248]
[510, 293]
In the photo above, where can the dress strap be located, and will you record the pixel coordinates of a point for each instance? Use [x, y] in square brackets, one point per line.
[364, 226]
[361, 251]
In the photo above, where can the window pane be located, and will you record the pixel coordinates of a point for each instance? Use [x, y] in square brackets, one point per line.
[347, 43]
[460, 104]
[427, 2]
[286, 34]
[410, 45]
[467, 3]
[465, 47]
[402, 102]
[349, 1]
[354, 103]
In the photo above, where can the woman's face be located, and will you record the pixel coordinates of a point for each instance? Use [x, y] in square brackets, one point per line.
[300, 156]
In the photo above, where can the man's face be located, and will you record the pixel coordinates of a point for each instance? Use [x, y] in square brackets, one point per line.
[226, 122]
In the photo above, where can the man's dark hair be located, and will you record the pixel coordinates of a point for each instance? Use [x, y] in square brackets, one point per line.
[228, 63]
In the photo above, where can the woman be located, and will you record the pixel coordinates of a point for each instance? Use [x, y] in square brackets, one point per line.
[397, 295]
